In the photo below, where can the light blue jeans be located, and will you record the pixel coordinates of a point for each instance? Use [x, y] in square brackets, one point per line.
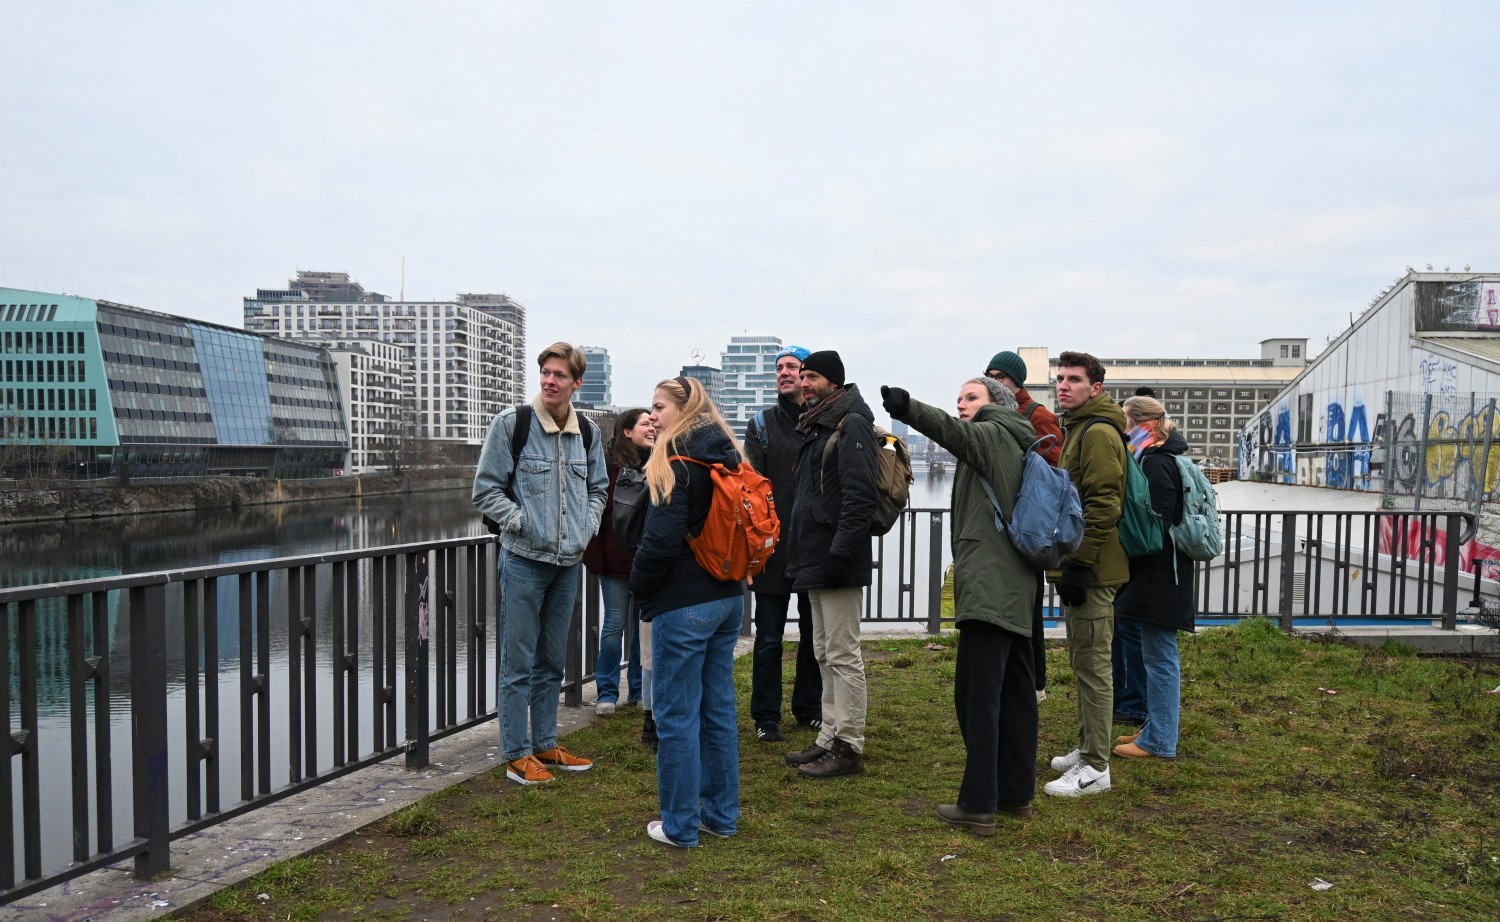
[1129, 671]
[536, 607]
[617, 613]
[698, 757]
[1163, 672]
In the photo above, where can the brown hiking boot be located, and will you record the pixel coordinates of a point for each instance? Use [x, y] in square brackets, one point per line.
[841, 760]
[803, 756]
[981, 824]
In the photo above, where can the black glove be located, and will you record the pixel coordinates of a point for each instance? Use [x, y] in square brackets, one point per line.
[895, 400]
[1073, 587]
[836, 572]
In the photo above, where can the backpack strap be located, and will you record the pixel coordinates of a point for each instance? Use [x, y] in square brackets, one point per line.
[1031, 408]
[760, 429]
[520, 433]
[828, 450]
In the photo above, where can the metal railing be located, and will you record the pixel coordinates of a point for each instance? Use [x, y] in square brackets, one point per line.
[140, 709]
[135, 705]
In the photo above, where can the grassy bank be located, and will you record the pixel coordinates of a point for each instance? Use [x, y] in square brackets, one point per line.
[1375, 771]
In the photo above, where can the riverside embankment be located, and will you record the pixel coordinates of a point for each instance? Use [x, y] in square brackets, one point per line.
[64, 501]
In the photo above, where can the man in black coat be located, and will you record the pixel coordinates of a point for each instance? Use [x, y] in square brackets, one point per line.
[771, 443]
[829, 554]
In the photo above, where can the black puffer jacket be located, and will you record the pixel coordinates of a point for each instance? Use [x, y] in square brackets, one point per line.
[1156, 594]
[665, 576]
[830, 528]
[776, 458]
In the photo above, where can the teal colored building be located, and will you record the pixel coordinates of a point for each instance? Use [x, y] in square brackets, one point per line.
[95, 389]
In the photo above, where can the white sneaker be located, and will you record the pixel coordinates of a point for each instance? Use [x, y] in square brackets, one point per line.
[1041, 695]
[604, 708]
[655, 830]
[1063, 763]
[1079, 781]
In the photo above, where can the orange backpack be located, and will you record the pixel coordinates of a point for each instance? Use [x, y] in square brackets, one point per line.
[741, 530]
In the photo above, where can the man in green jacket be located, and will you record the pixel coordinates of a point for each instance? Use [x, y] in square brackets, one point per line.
[1094, 456]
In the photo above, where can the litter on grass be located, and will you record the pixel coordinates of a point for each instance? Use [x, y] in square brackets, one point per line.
[1319, 883]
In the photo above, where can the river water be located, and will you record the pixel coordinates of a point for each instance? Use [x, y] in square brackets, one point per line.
[46, 552]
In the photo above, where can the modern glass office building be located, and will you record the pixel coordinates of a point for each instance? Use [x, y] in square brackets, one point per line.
[90, 388]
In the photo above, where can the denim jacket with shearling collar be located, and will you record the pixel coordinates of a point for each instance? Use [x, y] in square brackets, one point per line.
[559, 487]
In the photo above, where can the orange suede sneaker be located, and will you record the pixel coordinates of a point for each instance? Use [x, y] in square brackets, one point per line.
[558, 757]
[527, 770]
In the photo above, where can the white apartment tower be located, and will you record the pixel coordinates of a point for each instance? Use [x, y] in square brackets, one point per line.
[464, 358]
[749, 368]
[597, 389]
[372, 376]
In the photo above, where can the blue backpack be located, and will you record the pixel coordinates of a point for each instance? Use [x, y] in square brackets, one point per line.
[1046, 521]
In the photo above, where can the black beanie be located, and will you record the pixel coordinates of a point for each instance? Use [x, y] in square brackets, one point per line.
[826, 363]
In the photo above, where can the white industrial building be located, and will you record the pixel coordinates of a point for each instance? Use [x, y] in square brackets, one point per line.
[1403, 403]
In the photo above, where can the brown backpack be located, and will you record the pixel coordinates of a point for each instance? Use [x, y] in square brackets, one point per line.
[742, 529]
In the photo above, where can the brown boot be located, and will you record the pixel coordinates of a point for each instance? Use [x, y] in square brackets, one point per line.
[803, 756]
[840, 760]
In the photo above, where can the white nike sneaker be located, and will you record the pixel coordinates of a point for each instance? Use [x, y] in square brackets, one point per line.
[1063, 763]
[1079, 781]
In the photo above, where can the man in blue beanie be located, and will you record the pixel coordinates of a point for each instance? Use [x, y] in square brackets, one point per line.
[771, 443]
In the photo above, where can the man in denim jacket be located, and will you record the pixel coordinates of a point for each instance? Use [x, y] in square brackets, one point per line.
[547, 505]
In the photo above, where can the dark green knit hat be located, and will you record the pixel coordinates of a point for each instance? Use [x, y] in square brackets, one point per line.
[1009, 364]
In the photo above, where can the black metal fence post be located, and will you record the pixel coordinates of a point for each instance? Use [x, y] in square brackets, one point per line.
[148, 722]
[1288, 567]
[1450, 572]
[418, 616]
[935, 575]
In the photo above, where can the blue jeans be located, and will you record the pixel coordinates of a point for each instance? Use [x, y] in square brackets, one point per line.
[617, 611]
[1130, 673]
[698, 758]
[1163, 682]
[536, 607]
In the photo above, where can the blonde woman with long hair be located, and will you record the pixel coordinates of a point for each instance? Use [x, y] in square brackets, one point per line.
[1158, 601]
[695, 619]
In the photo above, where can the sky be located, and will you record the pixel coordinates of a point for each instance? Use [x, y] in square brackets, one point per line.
[917, 186]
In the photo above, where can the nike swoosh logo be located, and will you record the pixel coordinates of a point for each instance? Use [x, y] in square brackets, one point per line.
[1084, 784]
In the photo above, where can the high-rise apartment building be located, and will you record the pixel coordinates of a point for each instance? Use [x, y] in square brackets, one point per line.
[92, 388]
[597, 389]
[516, 363]
[372, 386]
[749, 374]
[712, 380]
[465, 357]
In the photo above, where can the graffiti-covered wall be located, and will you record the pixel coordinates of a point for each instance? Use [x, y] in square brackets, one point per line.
[1388, 409]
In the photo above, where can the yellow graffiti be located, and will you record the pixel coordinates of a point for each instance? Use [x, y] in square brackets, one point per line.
[1474, 431]
[1442, 454]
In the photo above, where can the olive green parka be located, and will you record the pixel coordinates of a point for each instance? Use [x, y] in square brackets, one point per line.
[1095, 459]
[992, 582]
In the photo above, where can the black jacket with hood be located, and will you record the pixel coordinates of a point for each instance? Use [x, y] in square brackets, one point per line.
[665, 576]
[829, 544]
[776, 459]
[1157, 594]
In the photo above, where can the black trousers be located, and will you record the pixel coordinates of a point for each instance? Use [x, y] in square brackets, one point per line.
[1038, 634]
[765, 673]
[994, 695]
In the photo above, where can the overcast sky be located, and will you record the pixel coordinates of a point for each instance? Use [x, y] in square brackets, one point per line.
[917, 185]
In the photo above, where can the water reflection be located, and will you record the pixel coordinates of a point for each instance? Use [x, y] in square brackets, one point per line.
[42, 552]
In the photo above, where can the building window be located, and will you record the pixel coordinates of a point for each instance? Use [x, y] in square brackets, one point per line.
[1297, 351]
[1283, 350]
